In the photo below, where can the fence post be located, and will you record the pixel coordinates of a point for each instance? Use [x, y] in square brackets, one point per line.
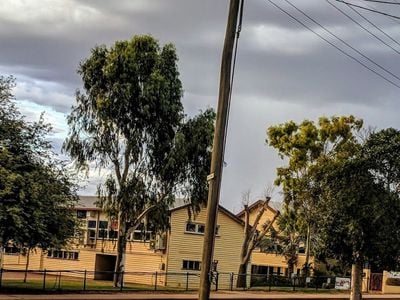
[270, 282]
[84, 281]
[216, 281]
[294, 283]
[44, 279]
[231, 280]
[59, 281]
[121, 286]
[1, 277]
[155, 281]
[187, 281]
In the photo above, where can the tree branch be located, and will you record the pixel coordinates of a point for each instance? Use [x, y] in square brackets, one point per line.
[126, 161]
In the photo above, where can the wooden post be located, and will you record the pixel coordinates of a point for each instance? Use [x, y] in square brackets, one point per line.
[44, 279]
[218, 150]
[84, 280]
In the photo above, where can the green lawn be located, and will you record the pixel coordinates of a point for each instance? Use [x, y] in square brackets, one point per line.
[67, 284]
[74, 284]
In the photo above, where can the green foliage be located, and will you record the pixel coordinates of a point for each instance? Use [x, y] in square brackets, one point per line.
[36, 193]
[292, 230]
[129, 121]
[348, 189]
[356, 215]
[305, 146]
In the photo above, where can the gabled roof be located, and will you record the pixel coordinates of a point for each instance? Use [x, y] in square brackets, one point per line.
[87, 203]
[220, 208]
[272, 205]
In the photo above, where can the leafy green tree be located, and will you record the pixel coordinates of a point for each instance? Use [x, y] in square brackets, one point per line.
[382, 149]
[290, 236]
[36, 192]
[351, 195]
[304, 145]
[129, 121]
[357, 217]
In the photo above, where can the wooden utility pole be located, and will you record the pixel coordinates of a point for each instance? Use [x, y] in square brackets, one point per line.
[218, 150]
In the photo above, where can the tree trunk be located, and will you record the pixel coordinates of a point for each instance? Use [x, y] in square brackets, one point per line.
[290, 268]
[307, 253]
[121, 248]
[242, 276]
[27, 266]
[356, 280]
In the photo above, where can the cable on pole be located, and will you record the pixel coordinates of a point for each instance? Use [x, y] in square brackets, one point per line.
[341, 40]
[363, 27]
[383, 2]
[333, 45]
[374, 25]
[238, 31]
[369, 9]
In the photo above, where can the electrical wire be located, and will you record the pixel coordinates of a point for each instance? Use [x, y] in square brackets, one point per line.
[383, 2]
[238, 31]
[391, 19]
[369, 9]
[374, 25]
[343, 41]
[363, 27]
[333, 45]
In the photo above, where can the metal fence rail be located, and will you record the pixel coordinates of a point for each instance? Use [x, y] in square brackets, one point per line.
[88, 280]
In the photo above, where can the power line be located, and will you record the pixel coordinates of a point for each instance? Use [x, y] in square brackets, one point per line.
[333, 45]
[238, 31]
[343, 41]
[369, 9]
[363, 27]
[383, 2]
[392, 19]
[381, 30]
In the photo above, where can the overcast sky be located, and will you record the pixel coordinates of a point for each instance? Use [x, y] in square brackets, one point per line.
[284, 71]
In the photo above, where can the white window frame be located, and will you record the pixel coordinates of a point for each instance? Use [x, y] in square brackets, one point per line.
[196, 228]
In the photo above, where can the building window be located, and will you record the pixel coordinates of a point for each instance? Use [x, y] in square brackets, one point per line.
[102, 233]
[63, 254]
[103, 224]
[191, 265]
[272, 248]
[139, 235]
[190, 227]
[92, 234]
[81, 214]
[112, 234]
[12, 250]
[92, 224]
[198, 228]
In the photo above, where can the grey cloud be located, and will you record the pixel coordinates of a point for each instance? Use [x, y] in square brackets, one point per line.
[283, 70]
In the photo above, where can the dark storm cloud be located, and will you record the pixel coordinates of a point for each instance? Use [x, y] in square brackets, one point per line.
[283, 70]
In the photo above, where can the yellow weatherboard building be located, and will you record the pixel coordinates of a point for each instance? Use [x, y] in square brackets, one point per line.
[173, 255]
[271, 263]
